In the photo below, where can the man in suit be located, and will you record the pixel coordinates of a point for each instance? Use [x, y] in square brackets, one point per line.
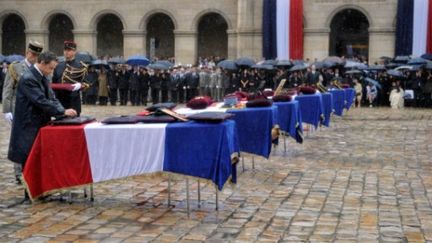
[15, 71]
[35, 105]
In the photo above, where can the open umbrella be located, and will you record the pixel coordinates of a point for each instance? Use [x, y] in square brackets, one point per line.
[138, 60]
[227, 64]
[60, 59]
[84, 56]
[14, 58]
[429, 65]
[354, 71]
[395, 73]
[374, 82]
[334, 60]
[2, 58]
[401, 59]
[158, 66]
[298, 67]
[352, 64]
[427, 56]
[245, 61]
[269, 62]
[166, 63]
[284, 63]
[262, 66]
[417, 61]
[116, 60]
[319, 65]
[100, 63]
[376, 68]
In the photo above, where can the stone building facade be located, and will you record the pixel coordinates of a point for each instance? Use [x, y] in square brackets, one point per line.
[188, 29]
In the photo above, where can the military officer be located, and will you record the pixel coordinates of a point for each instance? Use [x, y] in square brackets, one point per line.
[15, 71]
[70, 71]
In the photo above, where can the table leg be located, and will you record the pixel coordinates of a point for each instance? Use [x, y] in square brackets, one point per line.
[253, 162]
[169, 190]
[199, 194]
[91, 193]
[284, 141]
[187, 196]
[242, 159]
[217, 198]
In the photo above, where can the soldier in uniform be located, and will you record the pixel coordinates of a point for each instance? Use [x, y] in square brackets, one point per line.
[15, 71]
[70, 71]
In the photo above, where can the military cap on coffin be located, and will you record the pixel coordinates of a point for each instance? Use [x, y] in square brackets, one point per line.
[35, 47]
[259, 103]
[239, 94]
[256, 96]
[72, 120]
[210, 116]
[199, 102]
[156, 119]
[70, 45]
[167, 105]
[346, 86]
[291, 92]
[268, 93]
[282, 98]
[307, 90]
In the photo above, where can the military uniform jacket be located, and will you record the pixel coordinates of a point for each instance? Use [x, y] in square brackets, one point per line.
[10, 85]
[69, 99]
[35, 105]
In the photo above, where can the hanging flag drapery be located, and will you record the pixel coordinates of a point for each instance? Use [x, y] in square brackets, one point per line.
[414, 27]
[283, 29]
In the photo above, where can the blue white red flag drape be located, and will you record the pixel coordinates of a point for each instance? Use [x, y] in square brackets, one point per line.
[414, 27]
[283, 29]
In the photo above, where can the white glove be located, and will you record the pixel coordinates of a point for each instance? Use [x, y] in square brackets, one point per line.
[9, 117]
[76, 86]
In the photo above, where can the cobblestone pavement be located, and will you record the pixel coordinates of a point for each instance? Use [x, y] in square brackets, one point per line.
[367, 178]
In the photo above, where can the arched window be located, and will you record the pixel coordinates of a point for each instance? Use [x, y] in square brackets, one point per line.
[160, 36]
[60, 29]
[109, 36]
[13, 36]
[349, 34]
[212, 36]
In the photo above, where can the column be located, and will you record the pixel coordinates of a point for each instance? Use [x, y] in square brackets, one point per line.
[232, 44]
[316, 43]
[133, 42]
[185, 46]
[86, 40]
[381, 43]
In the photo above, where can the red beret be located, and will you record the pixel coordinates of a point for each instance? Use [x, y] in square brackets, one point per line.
[259, 103]
[199, 102]
[307, 90]
[282, 98]
[69, 44]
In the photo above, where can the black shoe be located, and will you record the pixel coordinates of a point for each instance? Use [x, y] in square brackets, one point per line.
[18, 180]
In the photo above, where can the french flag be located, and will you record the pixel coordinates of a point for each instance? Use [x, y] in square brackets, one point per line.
[283, 29]
[414, 27]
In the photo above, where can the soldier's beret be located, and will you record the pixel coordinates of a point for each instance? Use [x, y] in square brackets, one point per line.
[259, 103]
[282, 98]
[199, 102]
[167, 105]
[255, 96]
[35, 47]
[307, 90]
[70, 45]
[210, 116]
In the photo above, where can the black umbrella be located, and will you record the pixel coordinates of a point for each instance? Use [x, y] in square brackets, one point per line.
[395, 73]
[245, 61]
[374, 82]
[298, 62]
[262, 66]
[298, 67]
[284, 63]
[417, 61]
[227, 64]
[376, 68]
[165, 63]
[14, 58]
[354, 71]
[393, 65]
[2, 58]
[157, 66]
[100, 63]
[270, 62]
[429, 65]
[427, 56]
[334, 60]
[61, 59]
[116, 60]
[401, 59]
[84, 56]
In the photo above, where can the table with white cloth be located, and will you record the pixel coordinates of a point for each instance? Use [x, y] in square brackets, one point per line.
[64, 157]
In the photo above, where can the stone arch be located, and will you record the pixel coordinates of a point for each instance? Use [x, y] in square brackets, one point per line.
[212, 37]
[13, 37]
[160, 42]
[345, 7]
[98, 16]
[144, 21]
[109, 35]
[197, 18]
[50, 15]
